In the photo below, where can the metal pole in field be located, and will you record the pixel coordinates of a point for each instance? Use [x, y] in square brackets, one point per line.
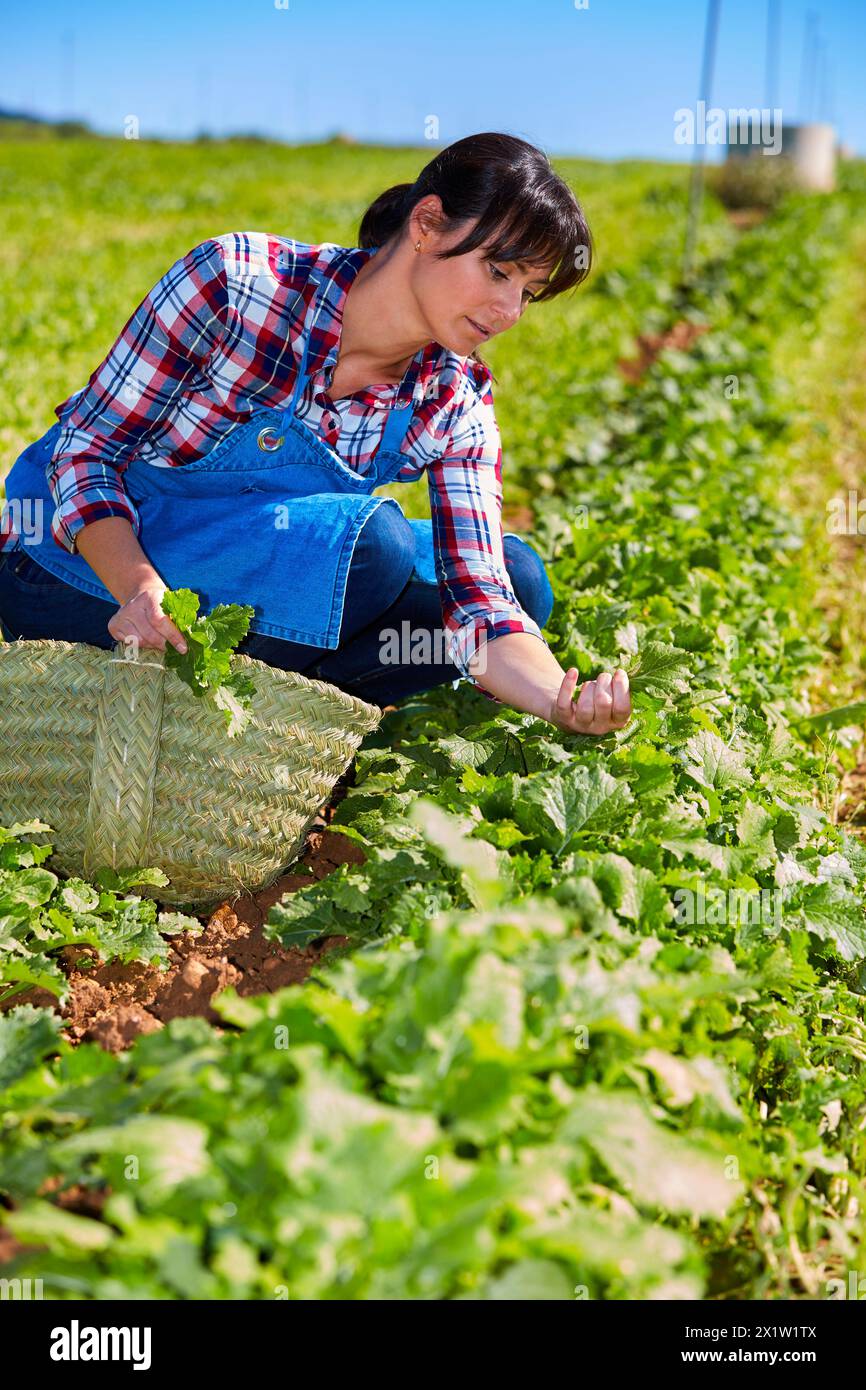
[807, 65]
[830, 94]
[824, 106]
[696, 186]
[772, 74]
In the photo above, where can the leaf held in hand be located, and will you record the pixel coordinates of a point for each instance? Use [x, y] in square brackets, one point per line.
[206, 664]
[660, 670]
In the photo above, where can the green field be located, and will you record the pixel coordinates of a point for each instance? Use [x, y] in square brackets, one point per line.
[599, 1027]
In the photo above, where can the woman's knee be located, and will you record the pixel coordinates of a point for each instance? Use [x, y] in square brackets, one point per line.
[386, 548]
[529, 578]
[382, 563]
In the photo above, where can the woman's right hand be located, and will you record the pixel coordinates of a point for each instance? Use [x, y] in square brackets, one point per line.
[141, 618]
[602, 706]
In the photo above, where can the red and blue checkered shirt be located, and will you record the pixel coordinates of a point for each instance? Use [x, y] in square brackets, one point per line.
[222, 333]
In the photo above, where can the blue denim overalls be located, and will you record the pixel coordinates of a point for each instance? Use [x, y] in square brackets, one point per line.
[269, 517]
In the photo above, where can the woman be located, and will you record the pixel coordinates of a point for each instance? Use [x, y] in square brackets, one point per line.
[233, 437]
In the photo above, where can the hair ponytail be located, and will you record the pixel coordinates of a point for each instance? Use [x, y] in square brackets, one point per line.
[385, 216]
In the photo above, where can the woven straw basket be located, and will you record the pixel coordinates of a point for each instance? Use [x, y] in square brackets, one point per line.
[130, 768]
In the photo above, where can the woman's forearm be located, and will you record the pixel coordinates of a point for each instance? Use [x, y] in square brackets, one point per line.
[521, 670]
[111, 549]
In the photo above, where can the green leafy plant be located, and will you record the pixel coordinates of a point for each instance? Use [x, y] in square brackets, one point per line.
[206, 664]
[41, 915]
[753, 182]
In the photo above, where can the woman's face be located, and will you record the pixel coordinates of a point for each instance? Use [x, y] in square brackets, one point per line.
[466, 299]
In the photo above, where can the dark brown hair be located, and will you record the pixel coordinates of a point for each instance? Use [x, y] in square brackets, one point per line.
[525, 211]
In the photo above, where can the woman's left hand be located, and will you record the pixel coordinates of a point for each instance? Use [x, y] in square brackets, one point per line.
[604, 704]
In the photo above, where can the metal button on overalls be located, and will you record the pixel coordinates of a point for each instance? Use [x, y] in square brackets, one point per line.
[269, 517]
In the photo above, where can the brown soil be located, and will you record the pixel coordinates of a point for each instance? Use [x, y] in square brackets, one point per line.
[680, 336]
[744, 218]
[518, 517]
[84, 1201]
[112, 1004]
[851, 804]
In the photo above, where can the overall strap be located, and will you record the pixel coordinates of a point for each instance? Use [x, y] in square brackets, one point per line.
[396, 428]
[301, 382]
[399, 419]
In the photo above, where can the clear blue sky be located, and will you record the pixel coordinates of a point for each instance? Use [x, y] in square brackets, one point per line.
[602, 81]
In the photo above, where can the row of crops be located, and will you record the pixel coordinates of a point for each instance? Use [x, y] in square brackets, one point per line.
[598, 1029]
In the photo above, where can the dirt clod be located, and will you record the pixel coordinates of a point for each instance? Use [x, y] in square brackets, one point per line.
[518, 517]
[680, 335]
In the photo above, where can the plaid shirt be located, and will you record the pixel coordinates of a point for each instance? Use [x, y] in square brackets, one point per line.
[221, 334]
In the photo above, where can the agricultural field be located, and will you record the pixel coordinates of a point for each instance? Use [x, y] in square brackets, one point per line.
[547, 1016]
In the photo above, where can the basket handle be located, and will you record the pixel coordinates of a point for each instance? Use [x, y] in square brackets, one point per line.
[125, 759]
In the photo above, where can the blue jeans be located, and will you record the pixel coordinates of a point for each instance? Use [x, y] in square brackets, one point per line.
[383, 594]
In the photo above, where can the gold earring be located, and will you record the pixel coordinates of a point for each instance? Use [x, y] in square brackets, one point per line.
[417, 246]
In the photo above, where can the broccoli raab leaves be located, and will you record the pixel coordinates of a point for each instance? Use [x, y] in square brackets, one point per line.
[660, 670]
[41, 914]
[206, 664]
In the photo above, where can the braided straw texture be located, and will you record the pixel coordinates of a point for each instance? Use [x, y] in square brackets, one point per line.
[130, 769]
